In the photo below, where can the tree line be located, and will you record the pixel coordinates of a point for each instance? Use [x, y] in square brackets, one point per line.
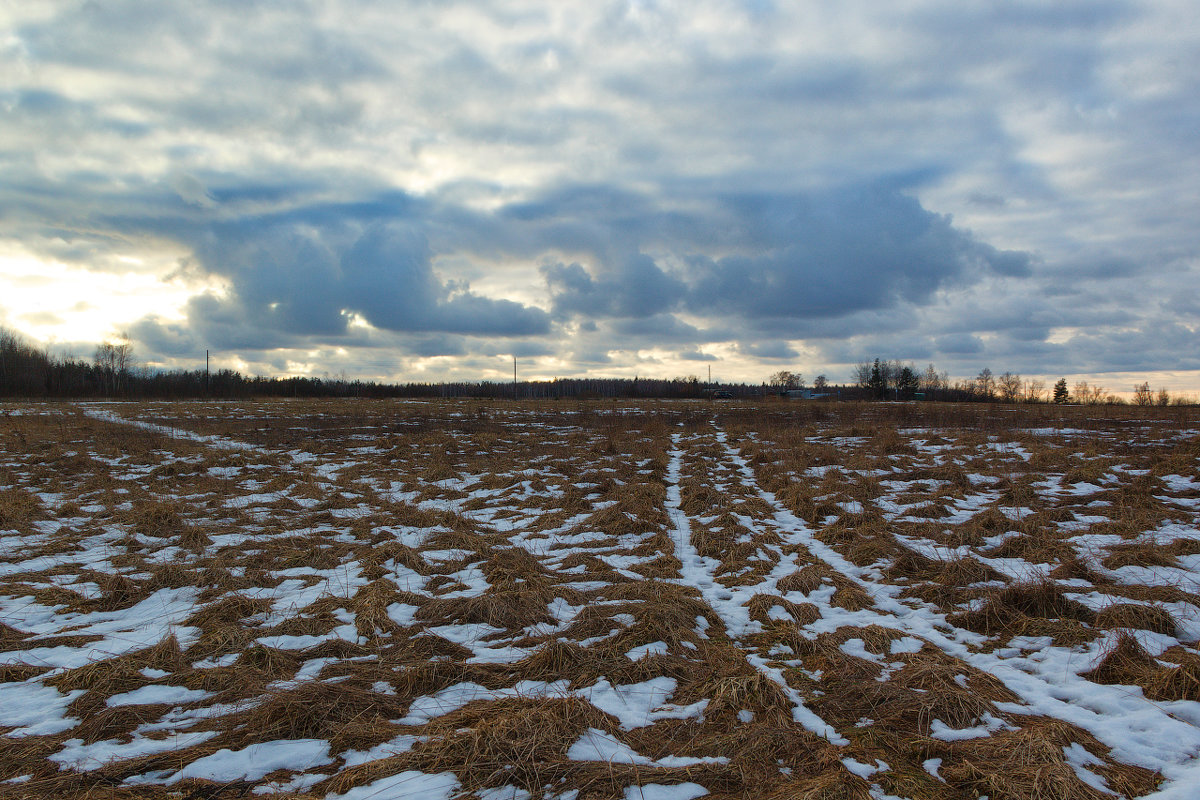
[28, 371]
[32, 372]
[894, 380]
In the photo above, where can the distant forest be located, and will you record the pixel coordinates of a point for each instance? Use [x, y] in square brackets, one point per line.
[28, 371]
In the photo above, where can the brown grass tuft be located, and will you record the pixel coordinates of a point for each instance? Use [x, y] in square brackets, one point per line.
[10, 635]
[834, 784]
[512, 741]
[1175, 683]
[558, 660]
[227, 612]
[1019, 765]
[1136, 615]
[752, 691]
[1141, 554]
[1005, 609]
[912, 565]
[1125, 661]
[157, 518]
[805, 580]
[802, 614]
[19, 507]
[317, 710]
[16, 673]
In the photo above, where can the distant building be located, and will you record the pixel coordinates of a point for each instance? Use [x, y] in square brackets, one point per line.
[803, 394]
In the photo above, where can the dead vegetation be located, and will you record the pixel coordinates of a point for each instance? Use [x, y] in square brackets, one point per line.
[447, 583]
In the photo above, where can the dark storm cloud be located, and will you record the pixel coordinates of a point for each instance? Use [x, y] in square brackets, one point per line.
[163, 338]
[664, 328]
[634, 287]
[840, 253]
[959, 344]
[798, 256]
[308, 273]
[307, 269]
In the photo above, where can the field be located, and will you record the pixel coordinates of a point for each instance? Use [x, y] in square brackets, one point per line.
[598, 600]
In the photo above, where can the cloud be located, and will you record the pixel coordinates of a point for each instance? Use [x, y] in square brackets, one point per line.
[959, 344]
[843, 252]
[589, 183]
[42, 318]
[768, 350]
[664, 328]
[310, 271]
[158, 338]
[191, 190]
[822, 255]
[633, 287]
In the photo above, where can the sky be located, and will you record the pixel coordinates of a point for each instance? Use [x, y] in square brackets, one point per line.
[425, 190]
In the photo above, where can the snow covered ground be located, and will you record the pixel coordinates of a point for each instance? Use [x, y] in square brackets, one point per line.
[371, 600]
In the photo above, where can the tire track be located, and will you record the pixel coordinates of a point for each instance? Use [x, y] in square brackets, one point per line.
[729, 604]
[1139, 731]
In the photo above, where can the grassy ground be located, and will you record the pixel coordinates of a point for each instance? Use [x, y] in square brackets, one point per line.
[593, 600]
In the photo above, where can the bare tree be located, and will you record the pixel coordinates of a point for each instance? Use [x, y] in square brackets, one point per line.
[820, 382]
[1010, 387]
[1035, 390]
[891, 372]
[985, 384]
[932, 380]
[1162, 398]
[1089, 395]
[1142, 396]
[113, 360]
[862, 374]
[785, 380]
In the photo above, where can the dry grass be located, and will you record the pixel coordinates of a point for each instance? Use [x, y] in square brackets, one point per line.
[19, 507]
[1009, 610]
[1136, 615]
[600, 469]
[1022, 764]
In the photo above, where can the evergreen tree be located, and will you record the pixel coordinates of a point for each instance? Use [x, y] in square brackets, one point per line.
[1061, 394]
[878, 382]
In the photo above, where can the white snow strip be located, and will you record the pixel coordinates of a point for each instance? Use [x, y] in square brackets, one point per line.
[1161, 736]
[411, 783]
[662, 791]
[147, 695]
[257, 760]
[79, 756]
[35, 709]
[729, 604]
[647, 650]
[105, 415]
